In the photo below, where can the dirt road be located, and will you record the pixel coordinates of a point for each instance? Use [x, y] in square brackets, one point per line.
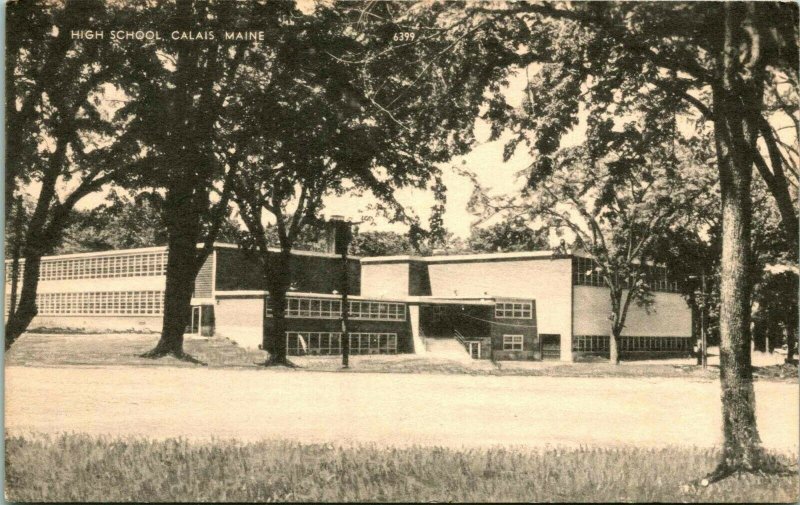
[395, 409]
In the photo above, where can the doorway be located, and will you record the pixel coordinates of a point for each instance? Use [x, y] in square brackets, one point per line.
[550, 346]
[196, 325]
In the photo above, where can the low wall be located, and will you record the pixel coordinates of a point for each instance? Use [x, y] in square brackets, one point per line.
[99, 323]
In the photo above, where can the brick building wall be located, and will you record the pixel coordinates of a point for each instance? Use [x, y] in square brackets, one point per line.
[525, 327]
[311, 272]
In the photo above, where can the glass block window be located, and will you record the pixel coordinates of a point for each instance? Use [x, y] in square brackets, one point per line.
[101, 267]
[138, 303]
[507, 310]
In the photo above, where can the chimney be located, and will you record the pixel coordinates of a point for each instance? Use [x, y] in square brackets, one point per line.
[336, 235]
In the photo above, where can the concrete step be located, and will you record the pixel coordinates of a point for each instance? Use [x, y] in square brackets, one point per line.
[448, 348]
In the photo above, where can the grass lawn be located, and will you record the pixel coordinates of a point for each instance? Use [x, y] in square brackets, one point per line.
[56, 349]
[83, 468]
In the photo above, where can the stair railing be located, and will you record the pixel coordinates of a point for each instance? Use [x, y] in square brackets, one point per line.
[460, 338]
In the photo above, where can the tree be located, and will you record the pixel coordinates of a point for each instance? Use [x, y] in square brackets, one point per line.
[310, 134]
[709, 61]
[61, 134]
[180, 91]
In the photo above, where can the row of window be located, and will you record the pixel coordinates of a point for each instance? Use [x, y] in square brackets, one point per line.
[585, 273]
[600, 343]
[332, 309]
[302, 343]
[130, 265]
[104, 302]
[513, 310]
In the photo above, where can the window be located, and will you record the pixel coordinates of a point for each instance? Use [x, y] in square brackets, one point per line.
[378, 310]
[373, 343]
[105, 302]
[103, 267]
[507, 310]
[585, 273]
[311, 343]
[512, 342]
[310, 307]
[318, 308]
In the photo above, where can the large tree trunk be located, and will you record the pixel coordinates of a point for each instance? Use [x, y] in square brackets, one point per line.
[731, 100]
[741, 449]
[181, 273]
[183, 263]
[182, 212]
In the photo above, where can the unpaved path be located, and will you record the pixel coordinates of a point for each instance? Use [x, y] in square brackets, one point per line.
[395, 409]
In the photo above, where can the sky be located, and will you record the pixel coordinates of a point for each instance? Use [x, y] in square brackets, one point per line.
[485, 161]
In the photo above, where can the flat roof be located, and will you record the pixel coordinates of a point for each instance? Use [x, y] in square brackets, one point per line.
[458, 258]
[141, 250]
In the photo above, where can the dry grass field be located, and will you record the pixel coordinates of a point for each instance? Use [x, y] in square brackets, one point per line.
[82, 468]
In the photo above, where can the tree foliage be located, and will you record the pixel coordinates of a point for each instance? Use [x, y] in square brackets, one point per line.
[514, 234]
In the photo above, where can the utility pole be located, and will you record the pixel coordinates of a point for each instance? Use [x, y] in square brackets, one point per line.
[342, 237]
[702, 302]
[703, 343]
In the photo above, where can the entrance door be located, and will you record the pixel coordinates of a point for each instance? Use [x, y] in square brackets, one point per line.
[475, 350]
[551, 346]
[196, 321]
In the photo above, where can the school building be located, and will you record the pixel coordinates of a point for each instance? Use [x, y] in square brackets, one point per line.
[521, 305]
